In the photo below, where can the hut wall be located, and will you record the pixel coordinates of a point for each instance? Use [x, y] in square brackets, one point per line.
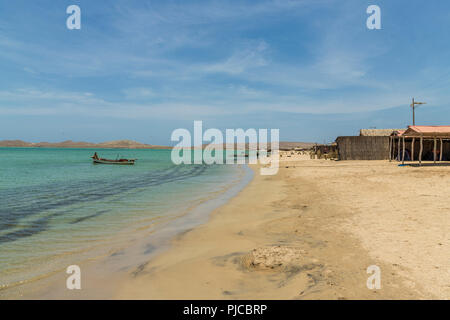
[363, 148]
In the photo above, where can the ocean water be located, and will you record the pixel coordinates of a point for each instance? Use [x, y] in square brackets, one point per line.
[57, 207]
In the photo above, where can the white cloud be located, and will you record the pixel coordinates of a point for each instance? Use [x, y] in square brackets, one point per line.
[241, 61]
[242, 100]
[144, 48]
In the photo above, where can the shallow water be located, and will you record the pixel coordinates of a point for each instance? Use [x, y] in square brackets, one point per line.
[56, 205]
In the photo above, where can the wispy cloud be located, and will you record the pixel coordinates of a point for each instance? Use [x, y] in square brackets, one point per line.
[187, 59]
[241, 61]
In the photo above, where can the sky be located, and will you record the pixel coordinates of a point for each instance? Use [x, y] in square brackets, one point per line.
[140, 69]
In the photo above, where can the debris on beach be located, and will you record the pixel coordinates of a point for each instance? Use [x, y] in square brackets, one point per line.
[274, 257]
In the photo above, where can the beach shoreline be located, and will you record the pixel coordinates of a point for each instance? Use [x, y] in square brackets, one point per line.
[308, 232]
[290, 236]
[101, 274]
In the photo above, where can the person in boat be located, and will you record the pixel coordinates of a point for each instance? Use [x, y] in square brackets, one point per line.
[95, 157]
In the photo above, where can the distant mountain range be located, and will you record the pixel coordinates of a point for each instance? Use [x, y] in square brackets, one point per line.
[120, 144]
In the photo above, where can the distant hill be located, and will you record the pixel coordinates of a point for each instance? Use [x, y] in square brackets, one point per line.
[124, 144]
[121, 144]
[287, 145]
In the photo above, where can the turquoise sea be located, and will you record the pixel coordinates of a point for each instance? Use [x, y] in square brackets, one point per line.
[55, 204]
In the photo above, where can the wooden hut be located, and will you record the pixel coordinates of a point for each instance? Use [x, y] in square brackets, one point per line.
[363, 147]
[420, 143]
[371, 144]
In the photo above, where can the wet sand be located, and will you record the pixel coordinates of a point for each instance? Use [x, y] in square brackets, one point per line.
[310, 232]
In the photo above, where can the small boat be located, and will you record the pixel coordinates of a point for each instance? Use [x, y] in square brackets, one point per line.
[98, 160]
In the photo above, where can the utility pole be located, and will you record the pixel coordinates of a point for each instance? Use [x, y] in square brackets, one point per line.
[413, 105]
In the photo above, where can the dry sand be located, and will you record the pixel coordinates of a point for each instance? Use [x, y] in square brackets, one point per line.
[310, 232]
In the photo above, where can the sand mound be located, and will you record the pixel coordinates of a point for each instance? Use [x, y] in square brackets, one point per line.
[273, 257]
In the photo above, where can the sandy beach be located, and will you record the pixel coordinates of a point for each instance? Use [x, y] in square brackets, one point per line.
[229, 150]
[310, 232]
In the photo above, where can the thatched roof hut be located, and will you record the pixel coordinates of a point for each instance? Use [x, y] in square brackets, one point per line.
[377, 132]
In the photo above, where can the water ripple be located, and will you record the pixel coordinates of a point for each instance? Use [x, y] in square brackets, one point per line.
[25, 202]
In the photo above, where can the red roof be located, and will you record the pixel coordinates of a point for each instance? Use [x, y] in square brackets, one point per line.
[428, 130]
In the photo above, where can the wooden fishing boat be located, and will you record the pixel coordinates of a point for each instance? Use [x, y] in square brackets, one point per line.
[98, 160]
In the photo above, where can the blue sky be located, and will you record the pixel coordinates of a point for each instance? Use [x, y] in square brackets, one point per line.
[140, 69]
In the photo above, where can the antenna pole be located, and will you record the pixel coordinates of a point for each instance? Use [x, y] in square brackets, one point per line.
[413, 105]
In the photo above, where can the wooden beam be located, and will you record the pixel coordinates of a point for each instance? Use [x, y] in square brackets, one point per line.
[412, 148]
[403, 153]
[421, 150]
[434, 149]
[442, 149]
[390, 149]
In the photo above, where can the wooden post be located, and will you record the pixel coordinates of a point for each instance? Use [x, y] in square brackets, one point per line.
[390, 149]
[421, 150]
[398, 153]
[412, 148]
[403, 154]
[434, 149]
[442, 149]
